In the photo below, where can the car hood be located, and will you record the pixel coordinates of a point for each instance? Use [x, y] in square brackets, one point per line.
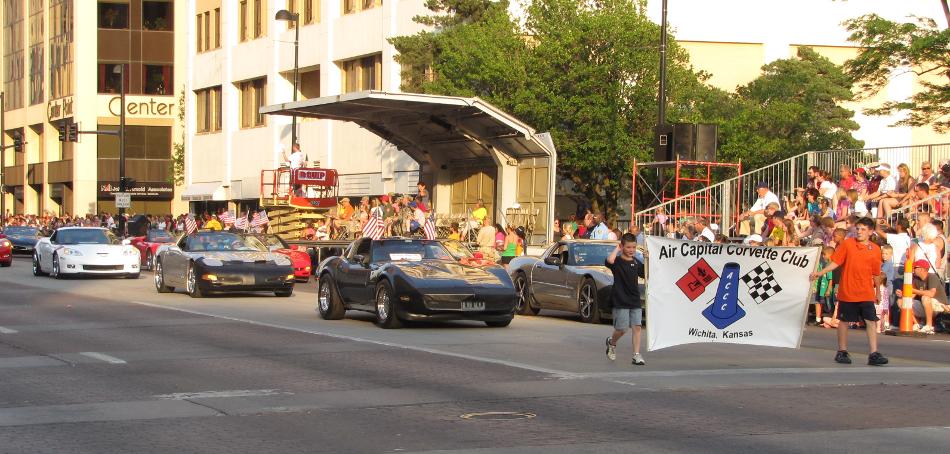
[244, 256]
[295, 255]
[445, 270]
[95, 248]
[22, 239]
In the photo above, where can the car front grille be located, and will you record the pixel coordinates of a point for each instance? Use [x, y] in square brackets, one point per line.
[102, 267]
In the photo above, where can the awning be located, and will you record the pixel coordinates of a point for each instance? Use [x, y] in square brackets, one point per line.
[198, 192]
[462, 128]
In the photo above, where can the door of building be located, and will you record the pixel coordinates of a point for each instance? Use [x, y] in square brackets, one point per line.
[533, 187]
[471, 184]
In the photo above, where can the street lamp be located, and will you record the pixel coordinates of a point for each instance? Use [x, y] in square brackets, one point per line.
[284, 15]
[120, 70]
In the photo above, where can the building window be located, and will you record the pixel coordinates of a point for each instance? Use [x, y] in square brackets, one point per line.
[259, 10]
[362, 73]
[113, 15]
[207, 29]
[13, 58]
[157, 79]
[158, 15]
[208, 103]
[110, 80]
[355, 6]
[252, 99]
[309, 11]
[217, 28]
[242, 21]
[141, 142]
[60, 48]
[309, 85]
[36, 51]
[199, 26]
[253, 20]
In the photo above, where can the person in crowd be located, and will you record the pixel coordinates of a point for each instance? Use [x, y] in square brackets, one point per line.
[510, 248]
[635, 230]
[323, 231]
[568, 229]
[345, 210]
[625, 296]
[827, 187]
[897, 238]
[846, 179]
[658, 224]
[701, 225]
[454, 233]
[811, 202]
[885, 288]
[422, 196]
[486, 240]
[824, 285]
[885, 188]
[753, 240]
[295, 160]
[557, 232]
[212, 223]
[929, 295]
[926, 174]
[598, 229]
[754, 218]
[861, 261]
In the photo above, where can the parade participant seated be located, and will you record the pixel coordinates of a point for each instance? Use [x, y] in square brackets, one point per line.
[930, 296]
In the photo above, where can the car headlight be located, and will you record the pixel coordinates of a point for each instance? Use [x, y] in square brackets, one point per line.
[5, 243]
[212, 262]
[70, 252]
[130, 252]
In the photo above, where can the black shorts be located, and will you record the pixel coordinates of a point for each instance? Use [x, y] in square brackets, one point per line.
[506, 259]
[856, 312]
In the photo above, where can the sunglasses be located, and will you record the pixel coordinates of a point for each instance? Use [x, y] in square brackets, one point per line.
[925, 168]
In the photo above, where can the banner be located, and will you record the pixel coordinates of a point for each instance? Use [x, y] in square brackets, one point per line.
[727, 293]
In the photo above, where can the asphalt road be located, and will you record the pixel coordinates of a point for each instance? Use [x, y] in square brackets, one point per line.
[109, 365]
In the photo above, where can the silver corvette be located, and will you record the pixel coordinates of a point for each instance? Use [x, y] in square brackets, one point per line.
[569, 276]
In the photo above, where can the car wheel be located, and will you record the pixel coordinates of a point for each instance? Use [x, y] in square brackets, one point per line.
[56, 272]
[160, 279]
[37, 271]
[328, 301]
[191, 283]
[524, 306]
[499, 323]
[385, 310]
[285, 292]
[6, 264]
[149, 261]
[587, 306]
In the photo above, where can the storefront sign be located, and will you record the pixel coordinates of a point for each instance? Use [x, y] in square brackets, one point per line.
[141, 190]
[123, 200]
[58, 109]
[138, 106]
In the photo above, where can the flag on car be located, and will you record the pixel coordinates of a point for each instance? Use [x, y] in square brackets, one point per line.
[259, 219]
[190, 224]
[227, 218]
[375, 227]
[241, 222]
[429, 228]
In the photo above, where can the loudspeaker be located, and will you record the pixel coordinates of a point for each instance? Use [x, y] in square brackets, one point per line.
[684, 141]
[663, 143]
[706, 142]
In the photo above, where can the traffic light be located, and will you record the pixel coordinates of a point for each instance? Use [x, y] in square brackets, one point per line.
[72, 132]
[62, 133]
[17, 142]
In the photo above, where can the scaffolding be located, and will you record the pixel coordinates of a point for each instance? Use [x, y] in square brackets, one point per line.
[681, 190]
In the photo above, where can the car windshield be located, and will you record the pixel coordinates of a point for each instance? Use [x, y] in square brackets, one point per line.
[409, 250]
[273, 242]
[223, 241]
[86, 236]
[20, 230]
[457, 249]
[160, 236]
[590, 254]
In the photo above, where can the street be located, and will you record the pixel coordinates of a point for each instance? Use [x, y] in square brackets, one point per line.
[109, 365]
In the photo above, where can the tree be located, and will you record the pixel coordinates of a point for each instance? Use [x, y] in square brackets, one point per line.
[918, 47]
[791, 108]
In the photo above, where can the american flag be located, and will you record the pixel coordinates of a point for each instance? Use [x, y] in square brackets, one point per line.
[190, 225]
[375, 227]
[227, 218]
[429, 228]
[259, 219]
[241, 222]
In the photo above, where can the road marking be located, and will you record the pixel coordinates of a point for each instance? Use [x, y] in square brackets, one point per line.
[213, 394]
[764, 371]
[103, 357]
[7, 330]
[934, 340]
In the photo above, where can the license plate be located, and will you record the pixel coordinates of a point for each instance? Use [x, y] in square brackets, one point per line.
[473, 305]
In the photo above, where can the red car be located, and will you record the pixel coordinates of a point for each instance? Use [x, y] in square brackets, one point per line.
[148, 245]
[299, 259]
[6, 251]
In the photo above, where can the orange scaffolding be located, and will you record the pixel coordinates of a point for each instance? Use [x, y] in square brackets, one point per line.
[686, 185]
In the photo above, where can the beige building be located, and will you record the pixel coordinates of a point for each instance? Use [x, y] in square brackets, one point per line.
[61, 64]
[733, 39]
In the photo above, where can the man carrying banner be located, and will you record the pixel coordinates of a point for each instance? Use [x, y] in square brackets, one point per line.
[860, 262]
[625, 295]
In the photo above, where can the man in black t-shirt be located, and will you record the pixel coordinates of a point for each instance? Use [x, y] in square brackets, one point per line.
[625, 295]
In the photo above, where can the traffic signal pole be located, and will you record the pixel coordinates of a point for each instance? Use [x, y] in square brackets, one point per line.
[3, 160]
[122, 187]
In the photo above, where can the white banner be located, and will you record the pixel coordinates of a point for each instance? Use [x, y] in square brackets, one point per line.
[727, 293]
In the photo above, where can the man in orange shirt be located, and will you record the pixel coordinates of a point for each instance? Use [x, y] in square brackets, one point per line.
[860, 262]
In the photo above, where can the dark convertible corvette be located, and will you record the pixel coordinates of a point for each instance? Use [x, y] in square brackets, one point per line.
[206, 262]
[402, 279]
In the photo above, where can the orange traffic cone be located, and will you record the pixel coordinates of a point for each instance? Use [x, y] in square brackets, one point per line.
[906, 327]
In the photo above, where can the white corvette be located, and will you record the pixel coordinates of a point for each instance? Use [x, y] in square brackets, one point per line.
[85, 250]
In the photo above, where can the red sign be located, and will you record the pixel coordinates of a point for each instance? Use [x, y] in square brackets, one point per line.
[703, 272]
[315, 177]
[691, 286]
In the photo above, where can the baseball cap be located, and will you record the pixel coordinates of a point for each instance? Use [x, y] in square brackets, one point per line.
[754, 237]
[762, 185]
[922, 264]
[884, 166]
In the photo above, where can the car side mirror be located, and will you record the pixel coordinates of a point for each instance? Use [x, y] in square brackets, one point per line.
[553, 261]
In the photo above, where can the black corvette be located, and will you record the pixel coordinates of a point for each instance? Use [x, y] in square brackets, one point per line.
[206, 262]
[23, 238]
[402, 279]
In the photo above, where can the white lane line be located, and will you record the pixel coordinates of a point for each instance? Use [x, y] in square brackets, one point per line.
[215, 394]
[103, 357]
[932, 340]
[370, 341]
[7, 330]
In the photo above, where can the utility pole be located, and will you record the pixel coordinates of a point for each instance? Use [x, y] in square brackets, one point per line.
[287, 16]
[661, 98]
[3, 159]
[122, 187]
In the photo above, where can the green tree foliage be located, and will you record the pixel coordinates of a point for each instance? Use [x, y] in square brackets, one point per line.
[793, 107]
[917, 46]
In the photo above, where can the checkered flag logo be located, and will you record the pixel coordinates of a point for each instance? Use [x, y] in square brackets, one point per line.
[761, 282]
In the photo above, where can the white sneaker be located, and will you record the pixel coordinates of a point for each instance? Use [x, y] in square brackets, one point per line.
[611, 350]
[927, 329]
[638, 360]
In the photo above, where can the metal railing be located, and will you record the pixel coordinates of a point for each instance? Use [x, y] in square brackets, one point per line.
[723, 202]
[935, 204]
